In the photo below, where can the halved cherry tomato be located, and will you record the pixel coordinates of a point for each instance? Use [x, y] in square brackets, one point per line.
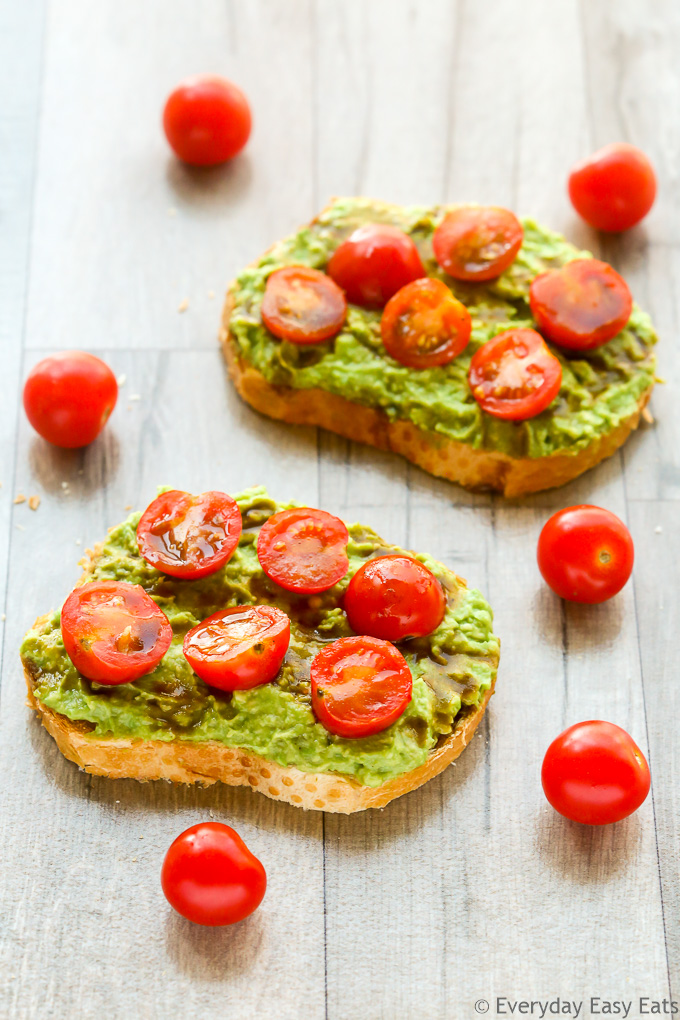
[239, 648]
[424, 325]
[303, 305]
[595, 773]
[303, 550]
[374, 263]
[189, 536]
[614, 188]
[514, 376]
[211, 877]
[206, 120]
[585, 553]
[360, 686]
[114, 632]
[394, 597]
[581, 305]
[68, 398]
[477, 242]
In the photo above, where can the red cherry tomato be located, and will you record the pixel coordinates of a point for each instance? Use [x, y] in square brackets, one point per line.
[210, 876]
[189, 536]
[114, 632]
[374, 263]
[206, 120]
[360, 686]
[394, 597]
[581, 305]
[585, 554]
[68, 398]
[514, 376]
[239, 648]
[477, 242]
[303, 305]
[614, 188]
[303, 550]
[595, 773]
[424, 325]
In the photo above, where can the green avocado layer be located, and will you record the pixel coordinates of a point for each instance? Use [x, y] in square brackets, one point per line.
[599, 389]
[452, 668]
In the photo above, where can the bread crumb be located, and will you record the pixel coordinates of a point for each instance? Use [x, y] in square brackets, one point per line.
[78, 541]
[20, 527]
[121, 379]
[141, 837]
[117, 802]
[647, 416]
[134, 860]
[4, 616]
[128, 506]
[183, 305]
[172, 211]
[134, 396]
[34, 502]
[211, 293]
[20, 498]
[658, 529]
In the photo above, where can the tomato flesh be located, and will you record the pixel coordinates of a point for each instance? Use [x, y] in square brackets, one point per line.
[360, 686]
[582, 305]
[614, 188]
[114, 632]
[302, 305]
[239, 648]
[211, 877]
[394, 598]
[595, 773]
[585, 554]
[514, 376]
[477, 242]
[69, 397]
[207, 120]
[374, 263]
[424, 325]
[189, 536]
[303, 550]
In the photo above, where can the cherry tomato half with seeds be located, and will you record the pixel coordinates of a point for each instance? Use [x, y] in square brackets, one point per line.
[514, 376]
[595, 773]
[211, 877]
[303, 305]
[394, 597]
[424, 325]
[69, 397]
[114, 632]
[585, 554]
[614, 188]
[360, 686]
[207, 120]
[374, 263]
[477, 242]
[189, 536]
[582, 305]
[303, 550]
[239, 648]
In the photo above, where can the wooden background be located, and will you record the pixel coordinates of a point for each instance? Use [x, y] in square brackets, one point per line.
[471, 887]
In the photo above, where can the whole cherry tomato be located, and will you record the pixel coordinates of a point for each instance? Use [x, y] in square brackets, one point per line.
[206, 120]
[303, 305]
[514, 376]
[595, 773]
[239, 648]
[424, 325]
[614, 188]
[476, 242]
[394, 597]
[374, 263]
[210, 876]
[189, 536]
[581, 305]
[585, 553]
[68, 398]
[303, 550]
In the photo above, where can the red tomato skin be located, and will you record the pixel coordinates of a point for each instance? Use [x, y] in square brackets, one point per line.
[471, 231]
[536, 351]
[207, 120]
[572, 314]
[69, 397]
[245, 667]
[303, 550]
[211, 877]
[374, 263]
[394, 598]
[614, 188]
[594, 773]
[209, 510]
[569, 549]
[417, 306]
[326, 320]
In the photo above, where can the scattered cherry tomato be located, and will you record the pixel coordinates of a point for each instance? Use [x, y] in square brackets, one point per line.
[585, 554]
[581, 305]
[394, 597]
[189, 536]
[303, 550]
[476, 242]
[211, 877]
[614, 188]
[374, 263]
[360, 686]
[514, 376]
[68, 398]
[114, 632]
[424, 325]
[595, 773]
[206, 120]
[303, 305]
[239, 648]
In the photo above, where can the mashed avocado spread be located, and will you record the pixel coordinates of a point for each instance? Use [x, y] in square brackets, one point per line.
[452, 668]
[599, 389]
